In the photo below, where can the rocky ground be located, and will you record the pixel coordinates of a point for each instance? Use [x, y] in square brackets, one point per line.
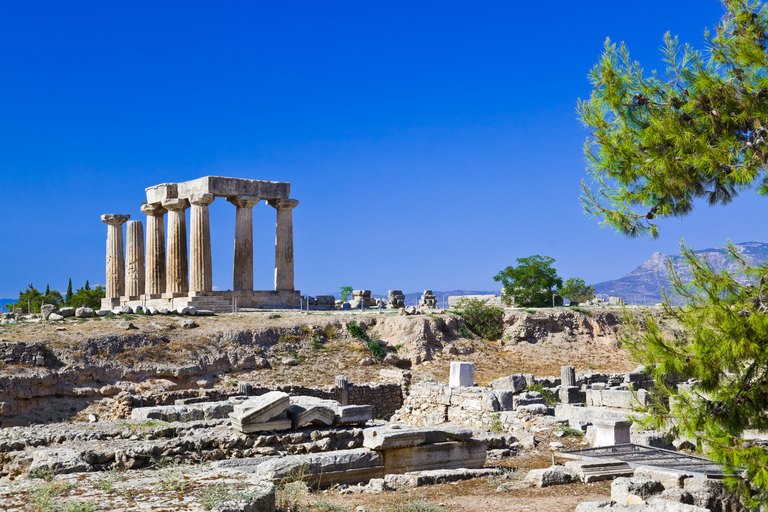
[77, 368]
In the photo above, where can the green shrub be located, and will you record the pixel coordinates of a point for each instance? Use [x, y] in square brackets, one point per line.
[358, 332]
[464, 332]
[546, 394]
[484, 320]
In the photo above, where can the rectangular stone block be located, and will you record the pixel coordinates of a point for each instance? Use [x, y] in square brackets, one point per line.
[469, 454]
[381, 438]
[611, 432]
[461, 374]
[260, 409]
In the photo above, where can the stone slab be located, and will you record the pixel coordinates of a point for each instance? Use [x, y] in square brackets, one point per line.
[267, 426]
[306, 413]
[515, 383]
[470, 454]
[314, 466]
[261, 409]
[381, 438]
[461, 374]
[598, 470]
[431, 477]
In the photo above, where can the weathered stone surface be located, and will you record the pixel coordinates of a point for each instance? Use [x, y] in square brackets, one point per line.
[67, 312]
[669, 478]
[55, 317]
[308, 410]
[58, 461]
[505, 398]
[380, 438]
[713, 494]
[346, 414]
[421, 478]
[659, 504]
[623, 489]
[444, 433]
[262, 499]
[461, 374]
[469, 454]
[528, 398]
[260, 409]
[515, 383]
[535, 409]
[611, 432]
[46, 310]
[597, 470]
[317, 464]
[595, 506]
[545, 477]
[678, 495]
[184, 413]
[84, 312]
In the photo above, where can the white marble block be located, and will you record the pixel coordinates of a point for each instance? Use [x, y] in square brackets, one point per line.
[462, 375]
[611, 432]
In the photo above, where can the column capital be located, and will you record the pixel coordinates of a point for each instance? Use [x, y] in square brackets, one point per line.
[115, 219]
[244, 201]
[201, 198]
[283, 204]
[175, 204]
[153, 209]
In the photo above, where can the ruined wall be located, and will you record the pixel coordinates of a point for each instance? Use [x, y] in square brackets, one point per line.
[20, 353]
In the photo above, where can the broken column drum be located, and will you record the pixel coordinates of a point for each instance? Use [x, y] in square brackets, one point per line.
[567, 376]
[163, 273]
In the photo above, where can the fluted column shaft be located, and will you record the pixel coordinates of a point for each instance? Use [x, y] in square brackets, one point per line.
[242, 271]
[134, 260]
[115, 254]
[155, 260]
[284, 243]
[177, 279]
[200, 271]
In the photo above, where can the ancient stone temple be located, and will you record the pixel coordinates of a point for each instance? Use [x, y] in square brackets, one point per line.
[161, 272]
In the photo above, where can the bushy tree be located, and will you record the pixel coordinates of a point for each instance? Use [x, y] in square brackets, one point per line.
[532, 283]
[31, 300]
[89, 297]
[483, 319]
[346, 293]
[658, 142]
[697, 129]
[576, 290]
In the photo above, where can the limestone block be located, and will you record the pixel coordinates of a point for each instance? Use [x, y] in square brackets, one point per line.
[515, 383]
[469, 454]
[590, 471]
[623, 489]
[712, 494]
[669, 478]
[571, 395]
[261, 499]
[659, 504]
[47, 309]
[381, 438]
[307, 410]
[444, 433]
[535, 409]
[328, 464]
[528, 398]
[461, 374]
[260, 409]
[58, 461]
[677, 495]
[67, 312]
[546, 477]
[353, 414]
[611, 432]
[103, 312]
[431, 477]
[505, 398]
[84, 312]
[280, 423]
[53, 317]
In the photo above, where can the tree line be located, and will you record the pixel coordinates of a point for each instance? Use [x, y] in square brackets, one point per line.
[31, 300]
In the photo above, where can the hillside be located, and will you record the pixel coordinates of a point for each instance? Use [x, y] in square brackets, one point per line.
[644, 284]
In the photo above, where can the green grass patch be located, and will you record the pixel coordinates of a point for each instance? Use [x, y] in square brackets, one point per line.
[581, 310]
[357, 332]
[546, 393]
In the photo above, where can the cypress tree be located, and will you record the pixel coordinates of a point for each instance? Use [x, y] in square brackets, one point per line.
[68, 297]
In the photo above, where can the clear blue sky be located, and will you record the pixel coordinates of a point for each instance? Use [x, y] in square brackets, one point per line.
[430, 144]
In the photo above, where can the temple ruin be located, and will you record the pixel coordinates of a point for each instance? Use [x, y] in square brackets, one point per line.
[161, 274]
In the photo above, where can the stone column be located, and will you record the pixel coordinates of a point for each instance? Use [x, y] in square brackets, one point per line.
[115, 255]
[200, 268]
[155, 260]
[342, 389]
[134, 260]
[177, 280]
[242, 272]
[567, 376]
[284, 243]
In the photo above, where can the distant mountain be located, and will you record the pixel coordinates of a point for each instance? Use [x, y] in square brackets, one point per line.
[643, 285]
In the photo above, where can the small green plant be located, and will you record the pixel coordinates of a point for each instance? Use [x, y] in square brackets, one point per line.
[531, 311]
[128, 316]
[39, 473]
[581, 310]
[546, 394]
[496, 426]
[173, 476]
[569, 431]
[346, 293]
[420, 505]
[464, 333]
[46, 498]
[301, 358]
[106, 483]
[358, 332]
[211, 496]
[317, 344]
[484, 320]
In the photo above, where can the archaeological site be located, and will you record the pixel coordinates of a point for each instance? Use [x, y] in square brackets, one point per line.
[177, 397]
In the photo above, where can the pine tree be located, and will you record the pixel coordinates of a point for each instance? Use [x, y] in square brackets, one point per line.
[68, 297]
[658, 142]
[87, 286]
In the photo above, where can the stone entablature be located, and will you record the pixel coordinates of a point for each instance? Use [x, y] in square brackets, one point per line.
[164, 272]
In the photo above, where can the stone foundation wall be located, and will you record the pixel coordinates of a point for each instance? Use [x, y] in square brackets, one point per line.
[433, 404]
[385, 399]
[13, 353]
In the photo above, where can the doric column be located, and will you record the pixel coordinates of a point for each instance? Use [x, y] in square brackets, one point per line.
[134, 259]
[115, 255]
[200, 274]
[177, 280]
[155, 274]
[284, 243]
[242, 272]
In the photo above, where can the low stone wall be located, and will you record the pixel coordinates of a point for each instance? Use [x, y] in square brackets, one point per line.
[384, 399]
[17, 352]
